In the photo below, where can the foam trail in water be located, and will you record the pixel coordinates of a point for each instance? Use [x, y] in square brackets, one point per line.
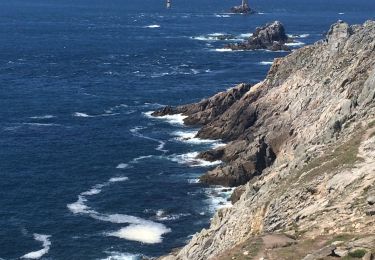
[177, 119]
[43, 117]
[160, 147]
[46, 246]
[139, 229]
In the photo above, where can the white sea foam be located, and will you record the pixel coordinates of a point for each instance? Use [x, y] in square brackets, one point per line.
[301, 36]
[141, 230]
[245, 35]
[177, 119]
[148, 233]
[190, 137]
[222, 15]
[121, 256]
[46, 246]
[223, 50]
[218, 198]
[266, 63]
[160, 147]
[341, 13]
[296, 43]
[43, 117]
[122, 166]
[79, 207]
[152, 26]
[140, 158]
[79, 114]
[118, 179]
[191, 160]
[161, 215]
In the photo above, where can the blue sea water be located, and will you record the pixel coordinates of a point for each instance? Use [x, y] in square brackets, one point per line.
[85, 173]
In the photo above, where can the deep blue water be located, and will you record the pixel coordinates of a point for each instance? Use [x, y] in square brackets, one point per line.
[76, 79]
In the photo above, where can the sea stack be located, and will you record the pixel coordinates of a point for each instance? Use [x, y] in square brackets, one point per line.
[244, 8]
[271, 37]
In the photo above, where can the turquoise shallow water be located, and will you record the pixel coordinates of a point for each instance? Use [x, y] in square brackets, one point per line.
[85, 173]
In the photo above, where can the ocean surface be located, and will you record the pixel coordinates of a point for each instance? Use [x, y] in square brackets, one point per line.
[85, 172]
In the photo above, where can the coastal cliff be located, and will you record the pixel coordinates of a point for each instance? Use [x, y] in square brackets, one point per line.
[301, 152]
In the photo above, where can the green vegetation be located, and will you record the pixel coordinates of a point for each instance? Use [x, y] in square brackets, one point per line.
[346, 155]
[359, 253]
[371, 124]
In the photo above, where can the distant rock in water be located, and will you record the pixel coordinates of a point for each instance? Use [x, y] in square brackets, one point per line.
[272, 37]
[242, 9]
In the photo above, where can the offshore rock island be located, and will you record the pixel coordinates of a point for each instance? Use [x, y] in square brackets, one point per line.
[271, 37]
[301, 152]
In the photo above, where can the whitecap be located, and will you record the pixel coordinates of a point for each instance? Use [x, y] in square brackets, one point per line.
[122, 166]
[43, 117]
[79, 114]
[118, 179]
[148, 233]
[152, 26]
[341, 13]
[46, 246]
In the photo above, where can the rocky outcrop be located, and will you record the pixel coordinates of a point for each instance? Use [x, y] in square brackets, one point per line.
[242, 9]
[208, 109]
[303, 144]
[272, 37]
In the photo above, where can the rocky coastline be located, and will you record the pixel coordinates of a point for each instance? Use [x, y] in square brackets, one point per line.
[300, 150]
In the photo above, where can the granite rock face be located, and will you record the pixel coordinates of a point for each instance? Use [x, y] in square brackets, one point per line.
[301, 143]
[272, 37]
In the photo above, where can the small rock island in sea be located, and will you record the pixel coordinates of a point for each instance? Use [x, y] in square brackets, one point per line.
[271, 37]
[244, 8]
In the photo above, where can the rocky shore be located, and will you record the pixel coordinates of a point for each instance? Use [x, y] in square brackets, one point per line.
[301, 152]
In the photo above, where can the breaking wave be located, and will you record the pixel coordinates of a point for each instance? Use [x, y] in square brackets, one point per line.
[191, 160]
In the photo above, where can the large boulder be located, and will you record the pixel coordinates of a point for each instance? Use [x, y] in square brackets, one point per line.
[272, 36]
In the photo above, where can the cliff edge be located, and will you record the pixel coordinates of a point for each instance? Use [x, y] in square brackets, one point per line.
[301, 150]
